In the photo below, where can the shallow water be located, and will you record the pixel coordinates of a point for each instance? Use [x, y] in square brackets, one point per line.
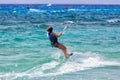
[93, 35]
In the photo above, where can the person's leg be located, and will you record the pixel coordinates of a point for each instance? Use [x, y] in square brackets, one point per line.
[64, 49]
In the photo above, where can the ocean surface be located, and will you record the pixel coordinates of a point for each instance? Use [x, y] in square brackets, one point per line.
[93, 35]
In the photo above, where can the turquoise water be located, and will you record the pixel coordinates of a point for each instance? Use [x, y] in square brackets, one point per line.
[93, 35]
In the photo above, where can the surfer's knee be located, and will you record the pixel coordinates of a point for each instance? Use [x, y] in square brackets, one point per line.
[61, 46]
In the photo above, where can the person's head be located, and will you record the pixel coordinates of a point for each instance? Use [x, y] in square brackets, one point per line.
[50, 29]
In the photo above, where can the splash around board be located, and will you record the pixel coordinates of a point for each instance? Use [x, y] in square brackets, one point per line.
[71, 53]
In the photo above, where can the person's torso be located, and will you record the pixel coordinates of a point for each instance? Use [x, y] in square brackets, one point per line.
[52, 38]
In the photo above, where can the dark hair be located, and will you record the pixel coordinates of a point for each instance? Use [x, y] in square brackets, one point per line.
[50, 29]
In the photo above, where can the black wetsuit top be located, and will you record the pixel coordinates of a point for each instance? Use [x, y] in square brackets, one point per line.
[53, 39]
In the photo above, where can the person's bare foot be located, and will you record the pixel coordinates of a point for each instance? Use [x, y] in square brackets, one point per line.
[68, 55]
[71, 54]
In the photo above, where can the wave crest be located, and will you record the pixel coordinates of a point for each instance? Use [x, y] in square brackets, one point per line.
[113, 20]
[77, 62]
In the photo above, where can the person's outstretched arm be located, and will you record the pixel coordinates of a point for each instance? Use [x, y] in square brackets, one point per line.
[57, 35]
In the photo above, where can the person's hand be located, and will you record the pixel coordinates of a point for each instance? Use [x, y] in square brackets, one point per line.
[60, 33]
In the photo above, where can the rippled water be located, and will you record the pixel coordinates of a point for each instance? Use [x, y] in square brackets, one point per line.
[93, 35]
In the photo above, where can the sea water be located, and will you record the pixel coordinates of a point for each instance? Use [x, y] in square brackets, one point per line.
[93, 36]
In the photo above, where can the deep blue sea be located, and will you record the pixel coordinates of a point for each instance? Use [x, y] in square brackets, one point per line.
[93, 35]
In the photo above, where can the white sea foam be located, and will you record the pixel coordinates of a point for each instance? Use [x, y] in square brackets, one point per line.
[73, 9]
[49, 65]
[14, 11]
[70, 22]
[36, 10]
[113, 20]
[56, 55]
[77, 62]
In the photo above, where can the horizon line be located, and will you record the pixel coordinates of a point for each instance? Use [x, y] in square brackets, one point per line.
[50, 3]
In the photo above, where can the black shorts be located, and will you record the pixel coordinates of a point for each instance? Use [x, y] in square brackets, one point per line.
[56, 44]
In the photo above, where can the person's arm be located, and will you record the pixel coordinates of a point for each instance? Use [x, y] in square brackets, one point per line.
[57, 35]
[47, 34]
